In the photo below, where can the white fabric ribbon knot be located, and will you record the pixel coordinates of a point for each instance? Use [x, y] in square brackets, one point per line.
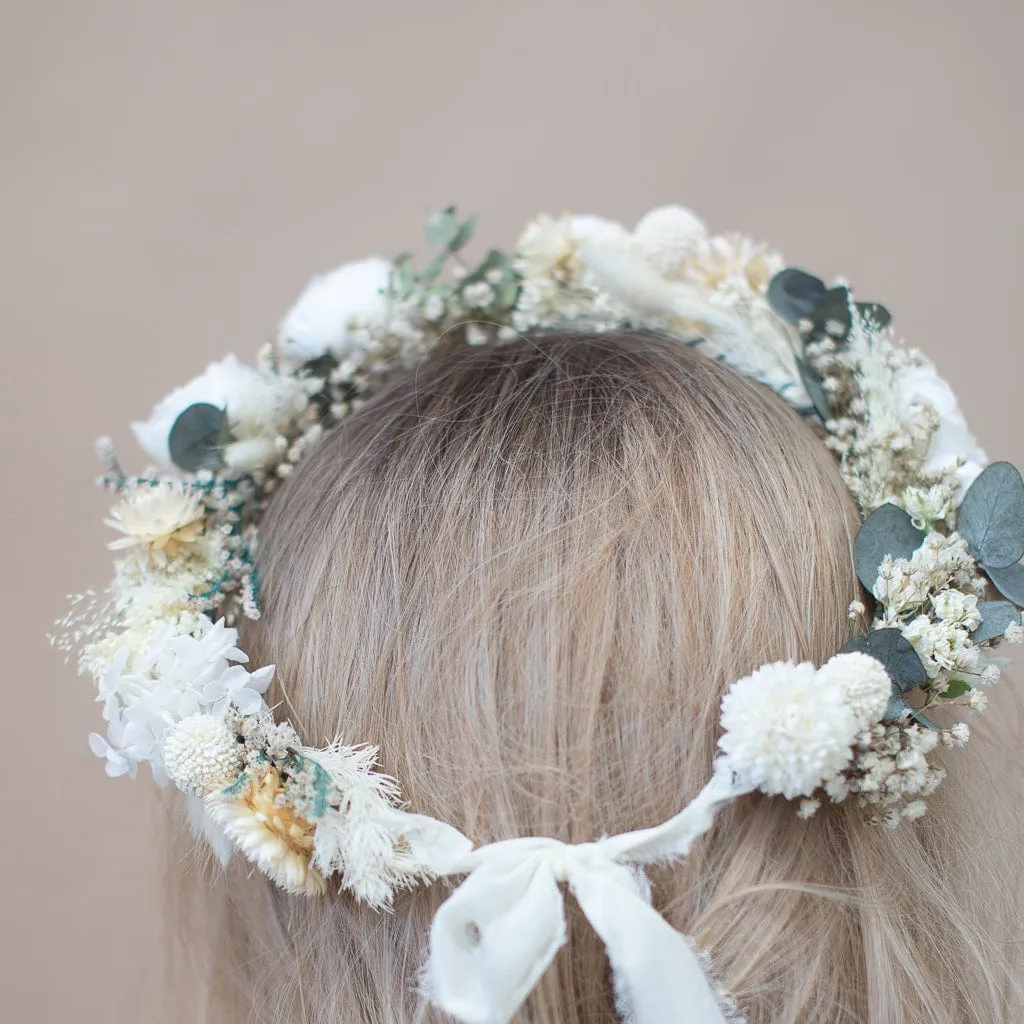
[494, 937]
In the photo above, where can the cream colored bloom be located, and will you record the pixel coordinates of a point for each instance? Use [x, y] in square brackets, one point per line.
[270, 834]
[164, 518]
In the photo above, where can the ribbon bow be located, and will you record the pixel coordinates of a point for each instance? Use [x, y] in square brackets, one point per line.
[494, 937]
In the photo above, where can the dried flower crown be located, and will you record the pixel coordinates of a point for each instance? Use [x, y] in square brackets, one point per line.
[161, 641]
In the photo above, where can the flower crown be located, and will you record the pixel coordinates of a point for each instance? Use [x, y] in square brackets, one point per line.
[938, 549]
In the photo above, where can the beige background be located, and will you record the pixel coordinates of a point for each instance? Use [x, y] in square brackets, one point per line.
[171, 172]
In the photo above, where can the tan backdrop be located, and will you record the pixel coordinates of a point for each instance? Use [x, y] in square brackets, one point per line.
[171, 172]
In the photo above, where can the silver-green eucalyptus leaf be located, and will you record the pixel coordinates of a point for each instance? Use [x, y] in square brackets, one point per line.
[991, 517]
[996, 618]
[198, 437]
[1009, 582]
[895, 652]
[887, 531]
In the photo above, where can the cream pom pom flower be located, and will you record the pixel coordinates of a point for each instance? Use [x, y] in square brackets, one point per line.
[201, 755]
[333, 305]
[668, 236]
[790, 727]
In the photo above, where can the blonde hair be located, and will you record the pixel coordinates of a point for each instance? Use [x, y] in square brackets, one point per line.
[528, 572]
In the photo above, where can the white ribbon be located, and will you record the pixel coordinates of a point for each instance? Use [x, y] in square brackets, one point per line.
[494, 937]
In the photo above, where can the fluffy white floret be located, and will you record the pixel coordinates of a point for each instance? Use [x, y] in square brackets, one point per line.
[790, 727]
[333, 304]
[863, 680]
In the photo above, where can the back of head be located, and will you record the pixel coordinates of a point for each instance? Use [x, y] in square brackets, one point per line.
[528, 572]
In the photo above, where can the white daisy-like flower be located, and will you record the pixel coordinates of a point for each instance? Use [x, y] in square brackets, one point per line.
[201, 755]
[785, 732]
[270, 833]
[736, 263]
[164, 518]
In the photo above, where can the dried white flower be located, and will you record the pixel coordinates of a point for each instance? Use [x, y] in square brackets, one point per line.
[478, 295]
[669, 236]
[957, 608]
[270, 834]
[332, 306]
[201, 754]
[1014, 634]
[258, 405]
[787, 730]
[952, 447]
[160, 518]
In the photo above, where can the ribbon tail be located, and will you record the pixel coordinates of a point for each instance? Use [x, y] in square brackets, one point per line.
[657, 973]
[492, 939]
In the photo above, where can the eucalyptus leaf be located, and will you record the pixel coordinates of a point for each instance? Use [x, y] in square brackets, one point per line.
[956, 688]
[874, 313]
[464, 235]
[887, 531]
[434, 268]
[898, 706]
[834, 308]
[996, 618]
[197, 438]
[895, 652]
[991, 517]
[794, 294]
[1009, 582]
[922, 719]
[443, 228]
[812, 385]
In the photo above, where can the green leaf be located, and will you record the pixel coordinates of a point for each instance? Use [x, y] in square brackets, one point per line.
[887, 531]
[898, 706]
[991, 517]
[1009, 582]
[812, 384]
[198, 437]
[464, 235]
[874, 313]
[996, 618]
[922, 719]
[834, 307]
[434, 268]
[794, 294]
[957, 688]
[895, 652]
[443, 228]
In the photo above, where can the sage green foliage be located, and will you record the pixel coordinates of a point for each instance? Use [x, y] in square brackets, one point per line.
[996, 619]
[991, 516]
[449, 234]
[198, 438]
[887, 531]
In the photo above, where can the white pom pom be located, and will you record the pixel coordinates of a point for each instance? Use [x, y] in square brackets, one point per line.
[669, 235]
[784, 731]
[863, 680]
[201, 755]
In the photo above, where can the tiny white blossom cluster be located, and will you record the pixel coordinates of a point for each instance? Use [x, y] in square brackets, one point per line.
[162, 642]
